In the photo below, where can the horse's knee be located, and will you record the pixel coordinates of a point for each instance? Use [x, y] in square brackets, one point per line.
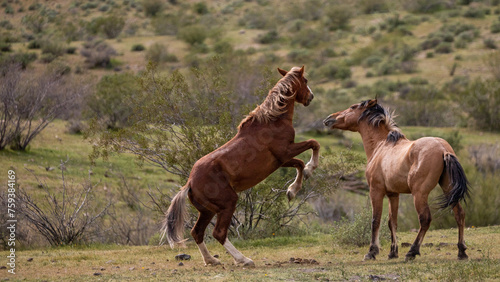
[197, 235]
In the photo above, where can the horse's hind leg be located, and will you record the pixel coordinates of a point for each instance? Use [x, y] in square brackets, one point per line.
[459, 217]
[221, 226]
[198, 233]
[424, 217]
[393, 223]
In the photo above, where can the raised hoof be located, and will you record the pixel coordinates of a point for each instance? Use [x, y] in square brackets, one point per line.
[307, 172]
[290, 195]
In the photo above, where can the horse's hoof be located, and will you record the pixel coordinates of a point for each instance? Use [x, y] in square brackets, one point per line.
[369, 257]
[307, 173]
[409, 258]
[393, 256]
[212, 262]
[249, 263]
[290, 195]
[463, 256]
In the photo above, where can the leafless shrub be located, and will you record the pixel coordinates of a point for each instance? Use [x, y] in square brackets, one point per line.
[97, 53]
[65, 216]
[31, 102]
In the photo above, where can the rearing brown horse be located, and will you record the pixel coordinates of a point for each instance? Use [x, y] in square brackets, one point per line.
[264, 142]
[397, 165]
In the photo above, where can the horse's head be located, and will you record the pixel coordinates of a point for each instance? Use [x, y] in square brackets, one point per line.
[304, 94]
[349, 119]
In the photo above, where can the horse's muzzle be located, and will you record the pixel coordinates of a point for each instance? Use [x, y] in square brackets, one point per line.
[329, 121]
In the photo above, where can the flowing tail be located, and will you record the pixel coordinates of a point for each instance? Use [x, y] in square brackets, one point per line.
[173, 224]
[458, 181]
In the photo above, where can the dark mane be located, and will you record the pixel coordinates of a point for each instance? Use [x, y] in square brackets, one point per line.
[377, 116]
[276, 101]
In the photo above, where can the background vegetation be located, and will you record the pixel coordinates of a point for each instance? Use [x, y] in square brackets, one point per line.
[147, 87]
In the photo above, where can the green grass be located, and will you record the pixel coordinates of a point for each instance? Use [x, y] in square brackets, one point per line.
[271, 256]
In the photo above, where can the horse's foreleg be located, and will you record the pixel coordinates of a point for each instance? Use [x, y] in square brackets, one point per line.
[297, 184]
[393, 224]
[314, 161]
[424, 217]
[377, 199]
[298, 148]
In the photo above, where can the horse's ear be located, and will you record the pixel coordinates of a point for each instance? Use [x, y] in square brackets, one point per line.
[301, 71]
[283, 72]
[372, 103]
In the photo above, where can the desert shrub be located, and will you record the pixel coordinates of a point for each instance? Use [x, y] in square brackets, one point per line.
[5, 47]
[474, 12]
[444, 48]
[71, 50]
[256, 19]
[337, 17]
[35, 22]
[167, 24]
[158, 53]
[110, 26]
[309, 38]
[138, 48]
[489, 43]
[492, 61]
[373, 6]
[97, 53]
[65, 216]
[34, 44]
[495, 27]
[19, 58]
[299, 55]
[358, 231]
[307, 10]
[152, 7]
[223, 47]
[52, 47]
[200, 8]
[418, 81]
[193, 35]
[269, 37]
[111, 102]
[424, 6]
[6, 24]
[481, 101]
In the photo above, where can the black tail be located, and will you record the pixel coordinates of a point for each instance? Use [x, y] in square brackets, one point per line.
[460, 187]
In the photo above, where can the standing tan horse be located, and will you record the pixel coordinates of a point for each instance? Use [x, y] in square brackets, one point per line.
[397, 165]
[264, 142]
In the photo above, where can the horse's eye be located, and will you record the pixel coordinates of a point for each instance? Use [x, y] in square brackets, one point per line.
[305, 79]
[354, 107]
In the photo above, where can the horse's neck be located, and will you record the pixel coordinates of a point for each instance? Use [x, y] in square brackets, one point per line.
[372, 137]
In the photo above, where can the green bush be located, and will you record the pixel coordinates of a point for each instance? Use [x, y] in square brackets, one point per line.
[300, 56]
[138, 48]
[444, 48]
[358, 231]
[153, 7]
[489, 43]
[309, 38]
[268, 37]
[474, 12]
[22, 59]
[338, 17]
[223, 47]
[200, 8]
[167, 24]
[158, 53]
[373, 6]
[193, 35]
[495, 27]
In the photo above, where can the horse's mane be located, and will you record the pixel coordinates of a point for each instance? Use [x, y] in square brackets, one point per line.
[275, 103]
[378, 115]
